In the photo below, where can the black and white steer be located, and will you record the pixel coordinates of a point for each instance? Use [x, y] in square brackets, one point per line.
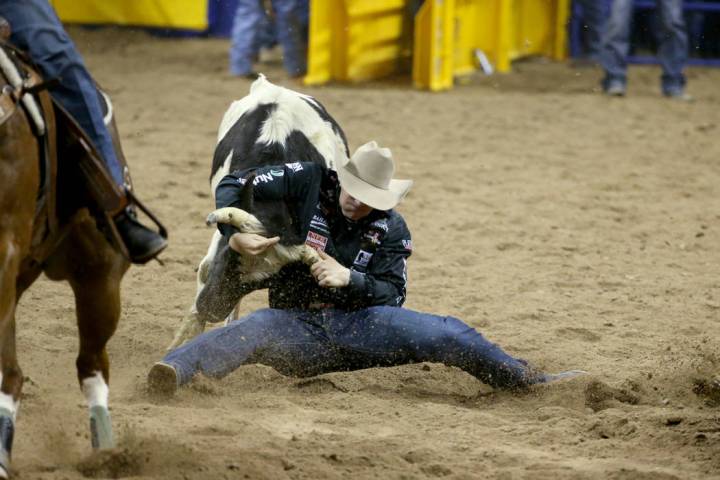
[272, 125]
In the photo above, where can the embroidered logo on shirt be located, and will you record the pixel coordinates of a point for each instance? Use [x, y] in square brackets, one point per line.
[373, 236]
[381, 224]
[363, 258]
[295, 167]
[319, 223]
[263, 177]
[277, 173]
[318, 242]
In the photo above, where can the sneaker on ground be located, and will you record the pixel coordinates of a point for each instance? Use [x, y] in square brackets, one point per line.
[615, 89]
[678, 94]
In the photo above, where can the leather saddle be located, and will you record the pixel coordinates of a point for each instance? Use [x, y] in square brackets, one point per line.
[72, 173]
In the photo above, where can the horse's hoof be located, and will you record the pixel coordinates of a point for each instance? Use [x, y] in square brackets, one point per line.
[101, 435]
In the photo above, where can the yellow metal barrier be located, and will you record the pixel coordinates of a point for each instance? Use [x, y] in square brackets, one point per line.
[186, 14]
[354, 40]
[433, 47]
[501, 30]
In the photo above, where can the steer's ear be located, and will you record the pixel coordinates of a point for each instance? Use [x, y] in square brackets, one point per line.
[246, 194]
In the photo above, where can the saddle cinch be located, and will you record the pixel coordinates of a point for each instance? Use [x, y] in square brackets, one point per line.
[72, 175]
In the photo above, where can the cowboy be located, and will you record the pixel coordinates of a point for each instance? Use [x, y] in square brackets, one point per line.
[345, 312]
[36, 29]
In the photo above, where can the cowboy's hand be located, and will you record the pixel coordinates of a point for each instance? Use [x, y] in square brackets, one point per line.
[251, 243]
[329, 273]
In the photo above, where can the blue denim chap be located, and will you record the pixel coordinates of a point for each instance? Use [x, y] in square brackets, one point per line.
[672, 50]
[37, 30]
[249, 32]
[306, 343]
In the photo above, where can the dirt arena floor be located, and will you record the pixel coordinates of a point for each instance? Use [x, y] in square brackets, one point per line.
[576, 231]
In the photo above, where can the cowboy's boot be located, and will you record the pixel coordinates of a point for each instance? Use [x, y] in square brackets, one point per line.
[142, 243]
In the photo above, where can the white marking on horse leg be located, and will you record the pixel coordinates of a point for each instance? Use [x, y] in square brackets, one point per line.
[96, 394]
[7, 402]
[95, 390]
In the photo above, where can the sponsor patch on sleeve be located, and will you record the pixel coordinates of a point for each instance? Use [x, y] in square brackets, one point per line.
[407, 244]
[318, 242]
[363, 258]
[294, 167]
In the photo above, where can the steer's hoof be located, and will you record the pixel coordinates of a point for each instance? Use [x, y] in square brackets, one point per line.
[101, 435]
[4, 472]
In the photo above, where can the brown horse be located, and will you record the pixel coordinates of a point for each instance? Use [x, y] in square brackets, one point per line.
[50, 222]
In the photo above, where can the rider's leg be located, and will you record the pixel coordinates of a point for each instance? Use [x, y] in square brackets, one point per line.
[36, 29]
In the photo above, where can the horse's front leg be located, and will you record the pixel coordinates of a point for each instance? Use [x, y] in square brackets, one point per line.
[97, 298]
[94, 270]
[12, 378]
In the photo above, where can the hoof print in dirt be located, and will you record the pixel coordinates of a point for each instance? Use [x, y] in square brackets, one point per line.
[111, 463]
[708, 388]
[599, 396]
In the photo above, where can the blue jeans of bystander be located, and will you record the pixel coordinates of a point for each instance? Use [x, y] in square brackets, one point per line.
[246, 32]
[672, 50]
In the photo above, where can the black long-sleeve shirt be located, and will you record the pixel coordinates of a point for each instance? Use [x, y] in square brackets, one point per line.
[378, 273]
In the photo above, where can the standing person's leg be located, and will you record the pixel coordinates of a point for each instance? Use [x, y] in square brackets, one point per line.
[288, 18]
[395, 336]
[267, 36]
[594, 16]
[37, 29]
[244, 36]
[615, 47]
[286, 340]
[673, 48]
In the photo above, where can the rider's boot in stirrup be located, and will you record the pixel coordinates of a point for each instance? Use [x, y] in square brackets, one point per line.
[142, 243]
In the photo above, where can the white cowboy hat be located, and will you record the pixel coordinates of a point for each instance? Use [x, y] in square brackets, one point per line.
[367, 176]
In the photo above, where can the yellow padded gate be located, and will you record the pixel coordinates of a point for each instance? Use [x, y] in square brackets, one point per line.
[355, 40]
[186, 14]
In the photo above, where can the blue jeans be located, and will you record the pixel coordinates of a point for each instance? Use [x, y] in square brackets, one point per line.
[672, 50]
[37, 30]
[247, 31]
[594, 16]
[305, 343]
